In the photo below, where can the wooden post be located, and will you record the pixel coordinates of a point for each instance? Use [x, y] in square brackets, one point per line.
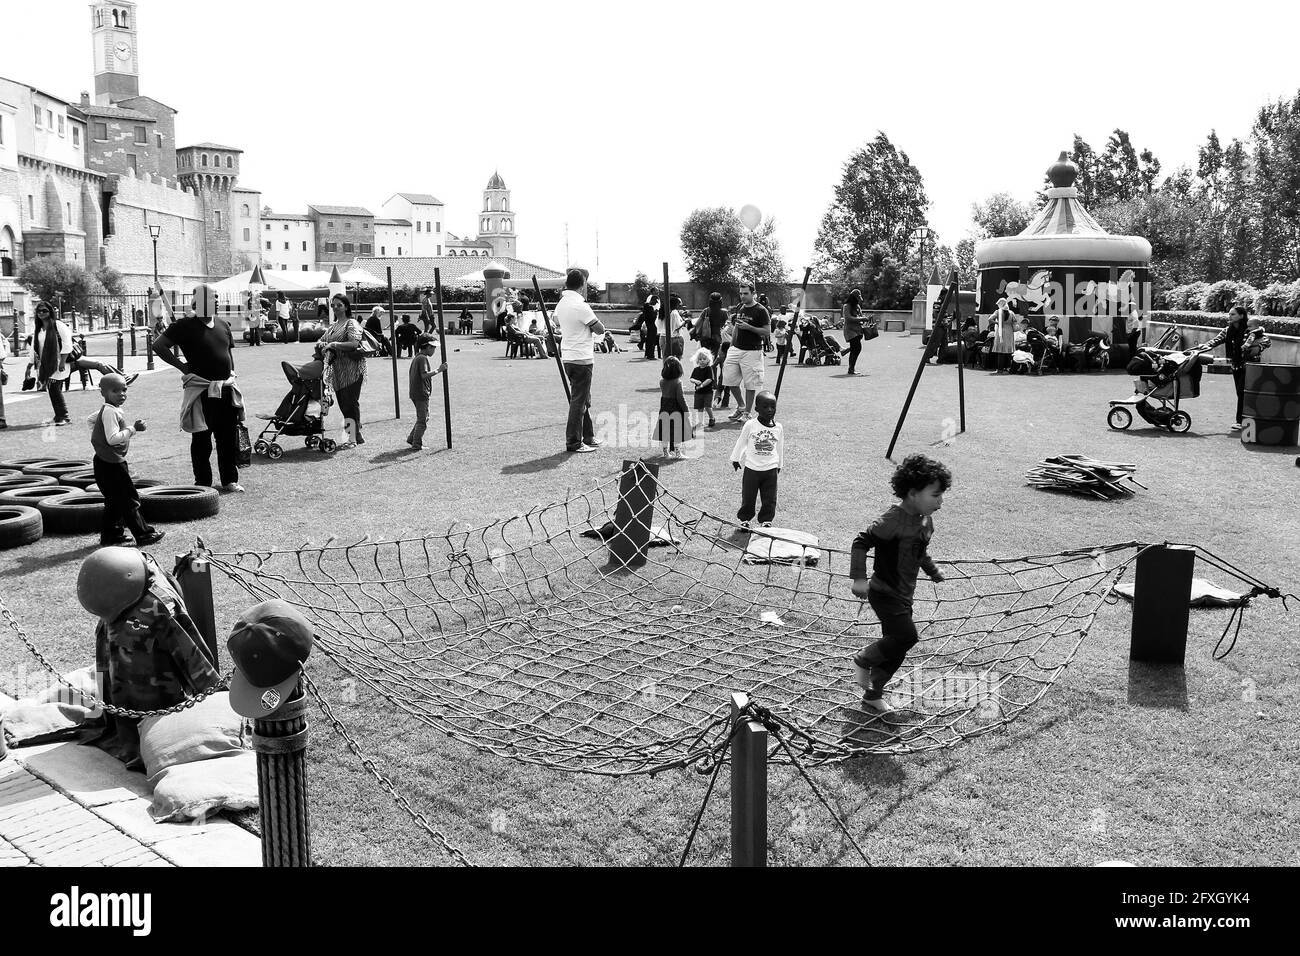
[1162, 593]
[789, 332]
[634, 513]
[442, 344]
[280, 740]
[666, 322]
[392, 345]
[194, 574]
[950, 292]
[748, 788]
[550, 340]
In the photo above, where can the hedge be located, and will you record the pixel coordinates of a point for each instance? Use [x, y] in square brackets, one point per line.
[1276, 299]
[1217, 320]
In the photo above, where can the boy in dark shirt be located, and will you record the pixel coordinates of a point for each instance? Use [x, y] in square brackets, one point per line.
[421, 381]
[900, 538]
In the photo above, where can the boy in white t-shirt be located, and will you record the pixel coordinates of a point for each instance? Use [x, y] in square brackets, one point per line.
[760, 451]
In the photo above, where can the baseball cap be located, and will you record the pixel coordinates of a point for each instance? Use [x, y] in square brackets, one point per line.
[269, 644]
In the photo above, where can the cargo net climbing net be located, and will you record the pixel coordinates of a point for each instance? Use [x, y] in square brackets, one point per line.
[523, 638]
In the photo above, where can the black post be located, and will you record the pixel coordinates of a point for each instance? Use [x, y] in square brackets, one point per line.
[121, 351]
[550, 339]
[280, 740]
[748, 787]
[392, 345]
[638, 484]
[961, 352]
[929, 348]
[789, 334]
[156, 284]
[442, 344]
[133, 352]
[1162, 592]
[666, 318]
[148, 349]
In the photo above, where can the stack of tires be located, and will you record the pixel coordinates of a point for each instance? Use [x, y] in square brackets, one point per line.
[40, 496]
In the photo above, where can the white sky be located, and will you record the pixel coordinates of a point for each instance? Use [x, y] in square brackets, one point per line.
[628, 116]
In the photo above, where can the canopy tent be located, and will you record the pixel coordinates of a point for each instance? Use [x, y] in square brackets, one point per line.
[358, 276]
[274, 280]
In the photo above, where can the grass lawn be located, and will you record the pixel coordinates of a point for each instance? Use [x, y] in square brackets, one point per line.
[1158, 769]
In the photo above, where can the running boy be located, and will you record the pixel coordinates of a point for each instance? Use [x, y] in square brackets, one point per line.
[900, 537]
[421, 380]
[760, 449]
[111, 437]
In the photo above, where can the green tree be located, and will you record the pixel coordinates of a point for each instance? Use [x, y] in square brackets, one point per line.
[882, 279]
[1001, 215]
[964, 257]
[53, 280]
[880, 199]
[111, 280]
[641, 287]
[719, 250]
[713, 245]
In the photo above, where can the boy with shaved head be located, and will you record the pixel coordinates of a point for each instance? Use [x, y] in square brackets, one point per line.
[111, 437]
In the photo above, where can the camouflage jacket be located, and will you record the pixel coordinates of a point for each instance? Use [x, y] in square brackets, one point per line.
[152, 656]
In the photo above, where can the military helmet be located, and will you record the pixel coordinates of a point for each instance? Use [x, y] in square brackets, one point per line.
[111, 580]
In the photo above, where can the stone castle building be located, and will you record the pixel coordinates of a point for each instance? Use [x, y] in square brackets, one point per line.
[85, 181]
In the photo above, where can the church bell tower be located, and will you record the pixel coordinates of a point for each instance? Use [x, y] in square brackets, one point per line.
[114, 32]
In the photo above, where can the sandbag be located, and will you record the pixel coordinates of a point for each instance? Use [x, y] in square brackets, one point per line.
[208, 729]
[193, 791]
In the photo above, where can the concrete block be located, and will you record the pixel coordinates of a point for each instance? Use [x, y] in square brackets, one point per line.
[91, 776]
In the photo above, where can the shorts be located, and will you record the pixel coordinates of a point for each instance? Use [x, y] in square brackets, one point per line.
[743, 367]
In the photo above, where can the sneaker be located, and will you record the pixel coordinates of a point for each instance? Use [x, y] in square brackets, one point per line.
[766, 524]
[745, 525]
[63, 421]
[122, 540]
[737, 415]
[580, 450]
[417, 445]
[1236, 427]
[233, 487]
[153, 537]
[592, 442]
[877, 704]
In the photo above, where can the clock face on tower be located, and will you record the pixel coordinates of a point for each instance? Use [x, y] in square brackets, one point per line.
[122, 50]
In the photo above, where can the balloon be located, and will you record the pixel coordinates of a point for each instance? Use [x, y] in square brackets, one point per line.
[750, 216]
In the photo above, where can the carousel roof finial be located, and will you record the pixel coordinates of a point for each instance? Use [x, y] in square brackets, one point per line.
[1063, 172]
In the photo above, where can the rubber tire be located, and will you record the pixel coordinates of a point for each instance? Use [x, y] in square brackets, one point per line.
[58, 468]
[1180, 417]
[24, 481]
[274, 451]
[21, 464]
[80, 513]
[19, 525]
[166, 503]
[79, 478]
[260, 446]
[31, 497]
[138, 482]
[328, 445]
[1119, 414]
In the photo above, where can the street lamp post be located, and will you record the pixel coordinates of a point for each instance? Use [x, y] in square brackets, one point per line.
[155, 232]
[923, 233]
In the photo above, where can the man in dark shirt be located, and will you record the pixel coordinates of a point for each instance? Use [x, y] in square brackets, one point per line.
[208, 346]
[744, 363]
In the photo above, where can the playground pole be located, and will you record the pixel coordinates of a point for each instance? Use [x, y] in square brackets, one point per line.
[392, 345]
[550, 339]
[442, 344]
[789, 334]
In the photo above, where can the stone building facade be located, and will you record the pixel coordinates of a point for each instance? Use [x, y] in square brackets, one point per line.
[341, 233]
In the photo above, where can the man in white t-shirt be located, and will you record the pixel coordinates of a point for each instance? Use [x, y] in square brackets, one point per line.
[578, 330]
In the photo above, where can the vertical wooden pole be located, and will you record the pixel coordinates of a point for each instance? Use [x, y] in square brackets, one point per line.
[789, 332]
[634, 513]
[392, 345]
[1162, 593]
[665, 324]
[280, 741]
[148, 349]
[550, 340]
[748, 788]
[194, 574]
[442, 345]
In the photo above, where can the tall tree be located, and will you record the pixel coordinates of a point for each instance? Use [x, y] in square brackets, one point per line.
[880, 199]
[719, 250]
[1001, 215]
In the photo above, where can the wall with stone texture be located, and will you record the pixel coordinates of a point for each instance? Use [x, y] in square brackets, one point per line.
[139, 204]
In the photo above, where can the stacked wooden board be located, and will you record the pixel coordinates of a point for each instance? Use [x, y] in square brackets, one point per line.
[1085, 476]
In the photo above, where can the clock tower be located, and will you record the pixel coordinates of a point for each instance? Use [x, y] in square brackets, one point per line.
[114, 32]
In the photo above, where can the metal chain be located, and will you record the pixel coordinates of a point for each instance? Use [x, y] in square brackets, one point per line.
[113, 709]
[383, 781]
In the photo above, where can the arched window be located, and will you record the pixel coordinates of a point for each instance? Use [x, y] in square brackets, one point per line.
[205, 159]
[123, 19]
[244, 209]
[115, 23]
[7, 246]
[487, 225]
[505, 203]
[99, 18]
[230, 162]
[486, 204]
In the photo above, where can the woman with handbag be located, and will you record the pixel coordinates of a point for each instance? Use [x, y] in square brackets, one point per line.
[345, 367]
[853, 328]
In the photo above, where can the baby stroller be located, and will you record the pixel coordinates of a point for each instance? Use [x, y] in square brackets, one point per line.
[301, 411]
[822, 348]
[1166, 377]
[1093, 353]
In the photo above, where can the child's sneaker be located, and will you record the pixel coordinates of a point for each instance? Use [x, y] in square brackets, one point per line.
[153, 537]
[745, 525]
[877, 704]
[766, 524]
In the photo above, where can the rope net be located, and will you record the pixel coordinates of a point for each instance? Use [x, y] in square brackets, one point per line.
[521, 638]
